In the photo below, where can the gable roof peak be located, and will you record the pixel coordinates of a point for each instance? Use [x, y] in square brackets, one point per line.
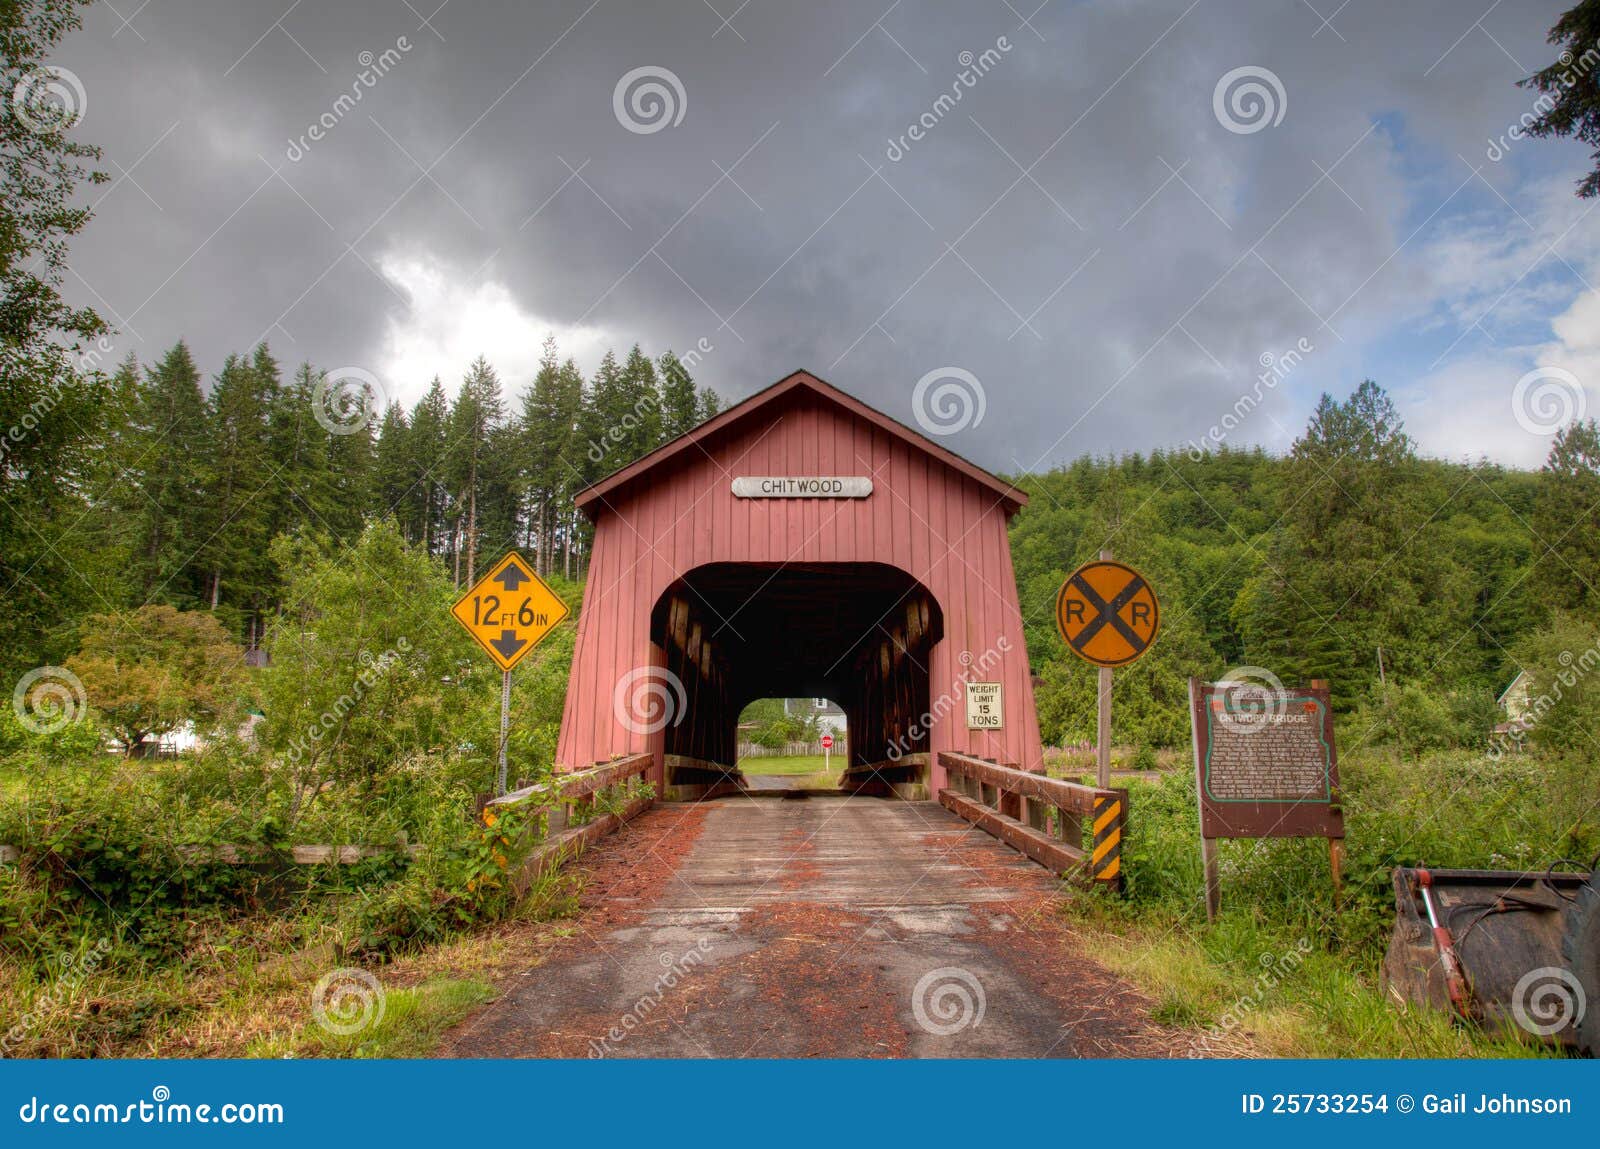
[1007, 494]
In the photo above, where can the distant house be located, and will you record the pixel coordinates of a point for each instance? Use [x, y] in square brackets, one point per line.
[1514, 701]
[830, 718]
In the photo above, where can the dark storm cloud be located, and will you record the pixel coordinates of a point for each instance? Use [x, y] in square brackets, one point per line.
[1079, 231]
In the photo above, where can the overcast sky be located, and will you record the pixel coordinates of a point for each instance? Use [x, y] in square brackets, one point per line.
[1131, 208]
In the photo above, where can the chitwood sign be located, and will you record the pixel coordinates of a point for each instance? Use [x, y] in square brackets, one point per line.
[1265, 767]
[802, 486]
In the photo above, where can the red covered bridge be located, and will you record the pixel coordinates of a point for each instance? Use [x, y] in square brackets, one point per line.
[801, 544]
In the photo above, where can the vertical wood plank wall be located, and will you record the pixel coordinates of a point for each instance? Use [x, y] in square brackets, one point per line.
[926, 518]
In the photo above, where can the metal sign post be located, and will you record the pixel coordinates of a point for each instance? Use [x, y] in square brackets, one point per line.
[827, 751]
[1108, 614]
[505, 731]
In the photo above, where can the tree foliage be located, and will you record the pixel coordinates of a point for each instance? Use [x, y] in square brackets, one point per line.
[152, 670]
[1569, 101]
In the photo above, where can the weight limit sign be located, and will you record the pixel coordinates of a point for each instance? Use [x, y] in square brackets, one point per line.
[1107, 613]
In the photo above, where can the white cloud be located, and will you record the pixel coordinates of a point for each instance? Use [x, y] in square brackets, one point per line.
[455, 316]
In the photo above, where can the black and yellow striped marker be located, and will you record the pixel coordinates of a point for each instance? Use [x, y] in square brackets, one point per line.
[1105, 859]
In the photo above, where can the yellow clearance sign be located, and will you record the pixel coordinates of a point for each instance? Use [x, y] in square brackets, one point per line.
[509, 611]
[1107, 613]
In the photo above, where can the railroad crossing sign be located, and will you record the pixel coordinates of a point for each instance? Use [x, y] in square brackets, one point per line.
[509, 611]
[1107, 613]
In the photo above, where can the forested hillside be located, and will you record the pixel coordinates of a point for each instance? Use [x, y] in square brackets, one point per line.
[1351, 559]
[169, 487]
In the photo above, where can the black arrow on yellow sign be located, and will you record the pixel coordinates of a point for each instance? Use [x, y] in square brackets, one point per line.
[512, 577]
[508, 643]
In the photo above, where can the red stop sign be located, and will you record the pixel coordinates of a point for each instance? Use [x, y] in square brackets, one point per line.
[827, 741]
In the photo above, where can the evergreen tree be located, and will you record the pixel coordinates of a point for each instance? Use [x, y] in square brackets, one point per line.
[477, 412]
[352, 461]
[304, 493]
[642, 416]
[52, 402]
[167, 518]
[710, 404]
[394, 477]
[1570, 87]
[601, 421]
[236, 473]
[1566, 521]
[680, 405]
[430, 488]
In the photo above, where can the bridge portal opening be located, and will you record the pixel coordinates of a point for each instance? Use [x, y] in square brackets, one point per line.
[793, 744]
[858, 633]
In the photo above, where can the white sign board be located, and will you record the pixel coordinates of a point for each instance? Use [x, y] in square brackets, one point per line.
[802, 486]
[985, 710]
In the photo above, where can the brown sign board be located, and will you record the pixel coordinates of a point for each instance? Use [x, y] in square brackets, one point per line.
[1265, 763]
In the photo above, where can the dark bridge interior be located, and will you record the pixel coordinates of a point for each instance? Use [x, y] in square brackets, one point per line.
[858, 633]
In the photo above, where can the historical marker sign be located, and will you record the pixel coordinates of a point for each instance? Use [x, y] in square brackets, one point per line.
[985, 709]
[1107, 613]
[1265, 762]
[509, 611]
[1265, 767]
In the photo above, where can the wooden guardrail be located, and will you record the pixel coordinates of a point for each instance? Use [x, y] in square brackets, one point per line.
[573, 813]
[1044, 818]
[237, 854]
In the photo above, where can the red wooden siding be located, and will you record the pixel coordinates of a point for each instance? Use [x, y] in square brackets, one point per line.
[944, 526]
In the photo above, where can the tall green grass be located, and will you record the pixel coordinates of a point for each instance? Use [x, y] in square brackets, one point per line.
[1280, 922]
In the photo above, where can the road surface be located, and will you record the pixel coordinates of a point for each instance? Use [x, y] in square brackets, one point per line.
[814, 927]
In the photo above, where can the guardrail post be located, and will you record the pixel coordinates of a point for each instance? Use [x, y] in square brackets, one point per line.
[1105, 858]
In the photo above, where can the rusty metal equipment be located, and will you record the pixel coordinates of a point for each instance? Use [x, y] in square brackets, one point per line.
[1518, 951]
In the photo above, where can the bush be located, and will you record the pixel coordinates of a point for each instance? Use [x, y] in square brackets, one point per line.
[1417, 720]
[1563, 662]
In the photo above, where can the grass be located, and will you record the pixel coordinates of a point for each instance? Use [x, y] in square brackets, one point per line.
[1284, 971]
[799, 764]
[245, 987]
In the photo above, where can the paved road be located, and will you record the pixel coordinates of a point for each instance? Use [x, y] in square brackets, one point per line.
[804, 927]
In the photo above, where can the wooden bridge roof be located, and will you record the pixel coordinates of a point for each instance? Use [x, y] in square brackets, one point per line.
[592, 498]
